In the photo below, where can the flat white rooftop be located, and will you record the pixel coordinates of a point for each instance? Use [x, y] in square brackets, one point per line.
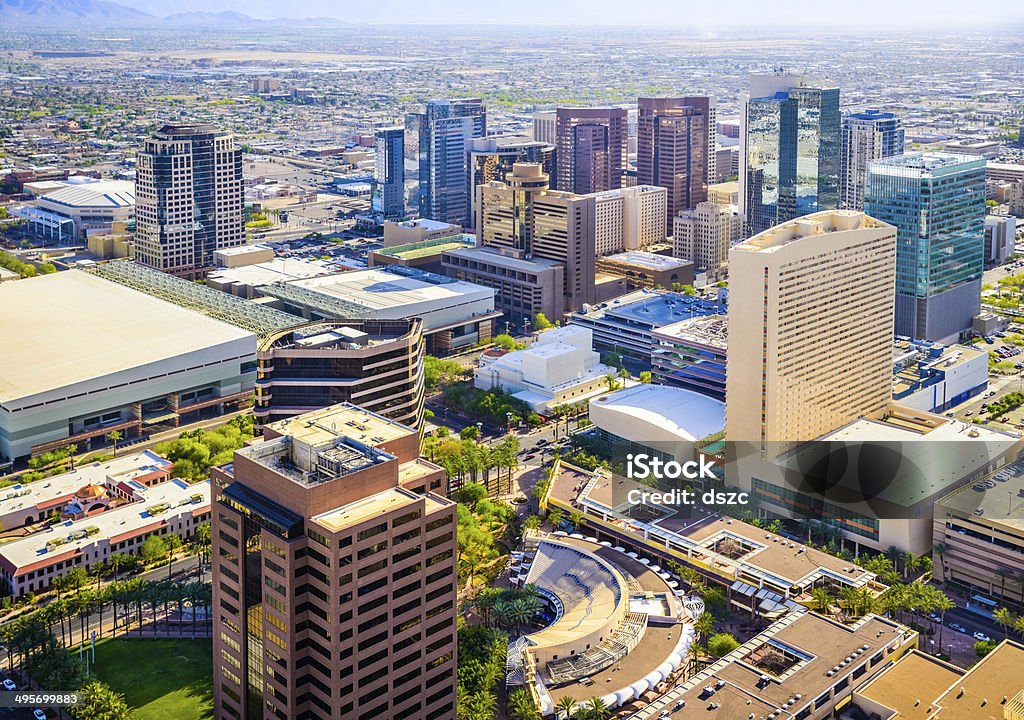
[276, 270]
[73, 326]
[648, 260]
[167, 500]
[44, 493]
[380, 290]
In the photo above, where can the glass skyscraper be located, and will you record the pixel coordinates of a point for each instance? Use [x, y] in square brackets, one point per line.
[937, 202]
[791, 151]
[389, 173]
[444, 130]
[867, 136]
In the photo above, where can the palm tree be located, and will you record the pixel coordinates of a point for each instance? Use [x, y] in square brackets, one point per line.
[532, 522]
[576, 518]
[555, 516]
[1018, 625]
[895, 555]
[566, 704]
[114, 436]
[941, 549]
[942, 604]
[703, 627]
[597, 710]
[911, 562]
[521, 705]
[1005, 618]
[820, 599]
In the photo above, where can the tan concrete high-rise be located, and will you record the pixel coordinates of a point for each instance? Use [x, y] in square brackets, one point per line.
[675, 148]
[704, 235]
[592, 145]
[189, 198]
[334, 581]
[810, 328]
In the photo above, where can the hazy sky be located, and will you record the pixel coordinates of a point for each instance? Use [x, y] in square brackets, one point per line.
[692, 13]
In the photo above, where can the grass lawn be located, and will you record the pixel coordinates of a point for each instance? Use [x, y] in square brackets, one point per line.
[160, 678]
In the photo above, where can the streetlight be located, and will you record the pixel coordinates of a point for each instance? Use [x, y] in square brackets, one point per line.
[508, 417]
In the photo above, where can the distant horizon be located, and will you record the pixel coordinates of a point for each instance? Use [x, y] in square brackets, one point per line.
[794, 16]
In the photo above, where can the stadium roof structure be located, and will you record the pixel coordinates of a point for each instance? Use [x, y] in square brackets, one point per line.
[100, 194]
[254, 317]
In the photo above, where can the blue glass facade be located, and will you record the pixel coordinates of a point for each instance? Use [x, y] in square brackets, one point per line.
[866, 136]
[792, 156]
[937, 203]
[445, 129]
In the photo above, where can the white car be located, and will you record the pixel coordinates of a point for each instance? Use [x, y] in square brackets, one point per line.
[38, 714]
[9, 684]
[982, 636]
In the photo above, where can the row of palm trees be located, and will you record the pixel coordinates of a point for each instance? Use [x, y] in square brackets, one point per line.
[508, 607]
[130, 601]
[593, 709]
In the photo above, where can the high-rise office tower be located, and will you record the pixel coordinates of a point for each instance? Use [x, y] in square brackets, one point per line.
[522, 217]
[937, 200]
[444, 130]
[544, 124]
[789, 156]
[389, 173]
[492, 158]
[675, 143]
[505, 212]
[592, 148]
[810, 328]
[704, 235]
[334, 581]
[189, 198]
[867, 136]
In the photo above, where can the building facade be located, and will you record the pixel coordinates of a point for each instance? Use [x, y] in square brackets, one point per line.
[937, 202]
[493, 158]
[334, 584]
[790, 151]
[704, 235]
[592, 147]
[522, 288]
[691, 354]
[814, 288]
[867, 136]
[444, 131]
[675, 148]
[1000, 238]
[189, 198]
[377, 364]
[388, 197]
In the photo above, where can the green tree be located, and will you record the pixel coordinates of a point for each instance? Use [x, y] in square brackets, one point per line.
[153, 548]
[521, 705]
[566, 704]
[820, 599]
[541, 322]
[721, 644]
[96, 701]
[114, 436]
[75, 578]
[1005, 619]
[645, 377]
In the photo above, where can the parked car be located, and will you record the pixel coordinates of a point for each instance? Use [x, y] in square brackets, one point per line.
[10, 684]
[39, 714]
[982, 636]
[958, 627]
[531, 456]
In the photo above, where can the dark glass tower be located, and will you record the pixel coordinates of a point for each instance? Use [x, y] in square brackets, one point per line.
[791, 154]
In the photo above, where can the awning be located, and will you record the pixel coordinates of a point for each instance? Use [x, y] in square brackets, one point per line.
[743, 588]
